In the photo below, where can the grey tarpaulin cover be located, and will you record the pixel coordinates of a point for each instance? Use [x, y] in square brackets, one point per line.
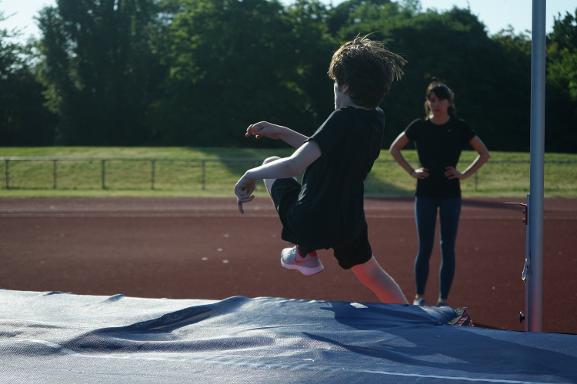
[66, 338]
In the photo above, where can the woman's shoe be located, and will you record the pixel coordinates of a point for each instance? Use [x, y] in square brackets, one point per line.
[420, 301]
[442, 303]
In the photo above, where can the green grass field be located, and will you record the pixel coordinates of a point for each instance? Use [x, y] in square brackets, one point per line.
[181, 171]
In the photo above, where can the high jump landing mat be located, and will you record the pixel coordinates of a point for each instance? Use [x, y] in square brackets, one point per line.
[52, 337]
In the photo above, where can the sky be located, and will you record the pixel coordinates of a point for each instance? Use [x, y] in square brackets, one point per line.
[495, 14]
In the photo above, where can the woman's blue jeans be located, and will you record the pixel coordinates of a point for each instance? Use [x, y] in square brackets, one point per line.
[426, 216]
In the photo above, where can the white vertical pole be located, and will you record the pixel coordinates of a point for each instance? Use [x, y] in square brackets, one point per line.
[536, 200]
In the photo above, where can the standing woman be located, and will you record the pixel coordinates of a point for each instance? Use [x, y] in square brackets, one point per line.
[439, 138]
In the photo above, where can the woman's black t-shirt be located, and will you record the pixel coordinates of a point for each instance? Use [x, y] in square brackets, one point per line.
[438, 147]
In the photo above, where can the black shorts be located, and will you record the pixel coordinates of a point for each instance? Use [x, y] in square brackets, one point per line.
[285, 193]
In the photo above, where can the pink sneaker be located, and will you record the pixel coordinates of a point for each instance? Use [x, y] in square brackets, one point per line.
[308, 265]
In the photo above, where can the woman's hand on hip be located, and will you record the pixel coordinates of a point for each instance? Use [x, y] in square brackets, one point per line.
[420, 173]
[453, 173]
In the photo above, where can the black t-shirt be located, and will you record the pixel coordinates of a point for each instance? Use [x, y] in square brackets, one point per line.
[438, 147]
[330, 205]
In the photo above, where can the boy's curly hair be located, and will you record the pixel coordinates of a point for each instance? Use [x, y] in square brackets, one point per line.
[368, 68]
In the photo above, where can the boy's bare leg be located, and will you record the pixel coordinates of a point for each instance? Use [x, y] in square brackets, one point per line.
[269, 182]
[375, 278]
[302, 252]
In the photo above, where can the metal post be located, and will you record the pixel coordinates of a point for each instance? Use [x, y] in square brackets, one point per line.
[152, 173]
[54, 174]
[103, 174]
[7, 173]
[527, 264]
[203, 174]
[476, 180]
[536, 200]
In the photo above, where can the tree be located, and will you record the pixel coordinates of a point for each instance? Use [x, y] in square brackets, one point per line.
[23, 118]
[452, 46]
[490, 76]
[346, 13]
[197, 72]
[314, 47]
[231, 63]
[561, 112]
[98, 68]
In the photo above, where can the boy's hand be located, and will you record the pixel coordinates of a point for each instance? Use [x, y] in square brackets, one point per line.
[264, 129]
[243, 190]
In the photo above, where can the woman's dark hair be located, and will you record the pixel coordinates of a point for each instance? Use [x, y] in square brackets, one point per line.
[367, 67]
[443, 92]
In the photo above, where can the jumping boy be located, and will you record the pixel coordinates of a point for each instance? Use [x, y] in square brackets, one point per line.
[327, 210]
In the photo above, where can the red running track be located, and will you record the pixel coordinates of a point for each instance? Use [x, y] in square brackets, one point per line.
[204, 249]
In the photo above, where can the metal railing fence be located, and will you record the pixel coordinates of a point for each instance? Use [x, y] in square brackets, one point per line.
[93, 173]
[180, 174]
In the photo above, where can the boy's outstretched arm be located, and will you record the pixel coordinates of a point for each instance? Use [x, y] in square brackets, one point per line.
[282, 168]
[276, 132]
